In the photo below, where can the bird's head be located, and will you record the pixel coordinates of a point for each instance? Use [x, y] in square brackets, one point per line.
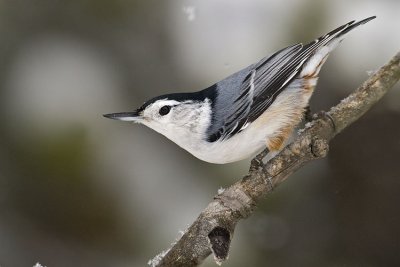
[177, 116]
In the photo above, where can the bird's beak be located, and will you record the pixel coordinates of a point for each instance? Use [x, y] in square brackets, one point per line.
[134, 116]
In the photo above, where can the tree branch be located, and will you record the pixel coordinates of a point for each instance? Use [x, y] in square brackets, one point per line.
[213, 229]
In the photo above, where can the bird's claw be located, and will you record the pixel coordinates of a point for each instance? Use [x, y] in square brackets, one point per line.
[257, 162]
[326, 116]
[308, 115]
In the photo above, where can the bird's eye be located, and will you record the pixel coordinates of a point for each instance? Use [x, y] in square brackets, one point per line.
[164, 110]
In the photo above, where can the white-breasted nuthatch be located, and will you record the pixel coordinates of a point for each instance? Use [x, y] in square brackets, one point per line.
[257, 106]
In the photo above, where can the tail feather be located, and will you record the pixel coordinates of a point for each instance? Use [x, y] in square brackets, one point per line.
[354, 25]
[320, 48]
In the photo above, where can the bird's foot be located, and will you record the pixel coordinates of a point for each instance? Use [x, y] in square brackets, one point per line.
[327, 117]
[257, 162]
[307, 114]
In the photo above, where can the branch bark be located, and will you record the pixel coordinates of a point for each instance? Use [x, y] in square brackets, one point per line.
[213, 229]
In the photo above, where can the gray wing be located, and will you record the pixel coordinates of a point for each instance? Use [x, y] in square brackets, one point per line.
[244, 96]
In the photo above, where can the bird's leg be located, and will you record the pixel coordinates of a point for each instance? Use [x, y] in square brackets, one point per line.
[257, 163]
[307, 114]
[326, 116]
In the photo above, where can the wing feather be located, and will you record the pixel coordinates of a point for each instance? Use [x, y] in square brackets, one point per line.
[258, 85]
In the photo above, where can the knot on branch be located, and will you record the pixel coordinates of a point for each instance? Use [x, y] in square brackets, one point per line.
[220, 240]
[319, 147]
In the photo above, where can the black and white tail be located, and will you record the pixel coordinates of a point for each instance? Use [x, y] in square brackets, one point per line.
[318, 50]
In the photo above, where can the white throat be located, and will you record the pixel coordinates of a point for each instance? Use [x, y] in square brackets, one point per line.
[188, 125]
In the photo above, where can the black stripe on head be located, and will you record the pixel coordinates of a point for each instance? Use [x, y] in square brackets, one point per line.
[210, 93]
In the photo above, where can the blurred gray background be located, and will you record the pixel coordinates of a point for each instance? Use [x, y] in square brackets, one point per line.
[79, 190]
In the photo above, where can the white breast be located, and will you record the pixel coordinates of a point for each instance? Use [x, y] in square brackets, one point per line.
[286, 112]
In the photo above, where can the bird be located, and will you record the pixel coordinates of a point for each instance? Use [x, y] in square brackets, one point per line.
[251, 110]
